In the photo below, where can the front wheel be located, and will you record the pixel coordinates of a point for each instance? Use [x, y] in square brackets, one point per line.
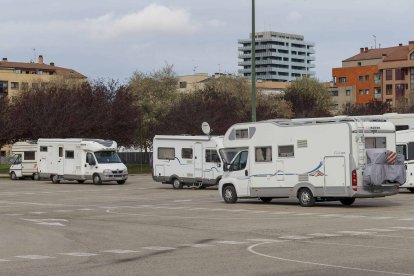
[177, 184]
[13, 176]
[55, 179]
[411, 190]
[347, 201]
[120, 181]
[35, 176]
[229, 194]
[306, 198]
[97, 179]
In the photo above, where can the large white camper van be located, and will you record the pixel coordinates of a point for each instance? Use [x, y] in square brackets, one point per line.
[81, 160]
[187, 160]
[311, 159]
[24, 162]
[405, 146]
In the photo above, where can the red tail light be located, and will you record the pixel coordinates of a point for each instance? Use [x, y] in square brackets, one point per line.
[354, 180]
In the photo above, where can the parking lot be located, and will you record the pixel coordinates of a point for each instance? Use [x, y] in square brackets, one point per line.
[147, 228]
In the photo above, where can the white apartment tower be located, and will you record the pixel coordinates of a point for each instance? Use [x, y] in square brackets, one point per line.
[279, 56]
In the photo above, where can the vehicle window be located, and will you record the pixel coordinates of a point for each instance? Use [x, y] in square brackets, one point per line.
[402, 149]
[187, 153]
[107, 157]
[212, 156]
[228, 154]
[263, 154]
[242, 133]
[29, 155]
[240, 162]
[286, 151]
[43, 148]
[89, 158]
[166, 153]
[69, 154]
[17, 159]
[60, 151]
[375, 142]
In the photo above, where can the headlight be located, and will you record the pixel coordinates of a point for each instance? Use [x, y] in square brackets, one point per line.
[107, 172]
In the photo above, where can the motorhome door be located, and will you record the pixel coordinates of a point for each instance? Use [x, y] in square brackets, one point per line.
[198, 160]
[334, 175]
[60, 161]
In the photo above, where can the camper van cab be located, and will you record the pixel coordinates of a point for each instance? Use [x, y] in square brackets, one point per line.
[24, 162]
[81, 160]
[183, 160]
[405, 146]
[311, 159]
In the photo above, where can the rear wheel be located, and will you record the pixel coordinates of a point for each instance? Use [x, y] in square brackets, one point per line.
[265, 199]
[177, 184]
[97, 179]
[13, 176]
[35, 176]
[306, 198]
[120, 181]
[55, 179]
[347, 201]
[229, 194]
[411, 190]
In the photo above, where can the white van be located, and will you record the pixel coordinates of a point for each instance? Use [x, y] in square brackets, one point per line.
[187, 160]
[405, 146]
[311, 159]
[24, 162]
[81, 160]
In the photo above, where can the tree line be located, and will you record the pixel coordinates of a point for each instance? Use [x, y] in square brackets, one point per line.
[149, 104]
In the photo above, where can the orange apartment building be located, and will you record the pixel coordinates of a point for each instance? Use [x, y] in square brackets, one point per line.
[381, 74]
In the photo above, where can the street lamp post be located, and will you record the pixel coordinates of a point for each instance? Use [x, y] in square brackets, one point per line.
[253, 64]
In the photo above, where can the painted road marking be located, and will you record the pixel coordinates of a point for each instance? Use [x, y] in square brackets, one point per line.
[38, 213]
[407, 219]
[4, 260]
[159, 248]
[325, 235]
[379, 230]
[231, 242]
[295, 237]
[51, 222]
[79, 254]
[355, 232]
[120, 251]
[14, 214]
[34, 257]
[403, 228]
[196, 245]
[266, 240]
[183, 200]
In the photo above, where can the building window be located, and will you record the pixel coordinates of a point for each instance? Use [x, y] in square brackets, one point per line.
[348, 93]
[286, 151]
[25, 85]
[263, 154]
[399, 90]
[367, 77]
[399, 74]
[212, 156]
[377, 78]
[360, 78]
[366, 91]
[4, 87]
[183, 84]
[388, 89]
[18, 71]
[14, 85]
[334, 93]
[361, 92]
[359, 63]
[377, 93]
[166, 153]
[388, 74]
[342, 79]
[187, 153]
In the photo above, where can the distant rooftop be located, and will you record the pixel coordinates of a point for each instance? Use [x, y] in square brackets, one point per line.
[388, 54]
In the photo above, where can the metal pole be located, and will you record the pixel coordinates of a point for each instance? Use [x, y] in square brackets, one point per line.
[253, 64]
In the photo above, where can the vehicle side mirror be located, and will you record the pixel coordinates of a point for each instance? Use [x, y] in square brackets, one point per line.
[218, 165]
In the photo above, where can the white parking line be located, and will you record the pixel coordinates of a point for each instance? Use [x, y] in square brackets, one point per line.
[295, 237]
[38, 213]
[403, 227]
[79, 254]
[120, 251]
[380, 230]
[4, 260]
[266, 240]
[196, 245]
[325, 235]
[356, 232]
[34, 257]
[231, 242]
[407, 219]
[159, 248]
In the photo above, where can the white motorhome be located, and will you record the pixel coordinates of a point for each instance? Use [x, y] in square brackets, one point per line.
[311, 159]
[81, 160]
[187, 160]
[24, 162]
[405, 146]
[401, 121]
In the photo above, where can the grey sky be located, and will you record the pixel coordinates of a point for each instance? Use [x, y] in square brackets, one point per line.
[114, 38]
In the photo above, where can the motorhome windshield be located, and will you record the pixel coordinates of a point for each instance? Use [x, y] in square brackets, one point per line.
[106, 157]
[228, 154]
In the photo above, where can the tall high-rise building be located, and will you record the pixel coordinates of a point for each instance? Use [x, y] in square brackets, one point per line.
[279, 56]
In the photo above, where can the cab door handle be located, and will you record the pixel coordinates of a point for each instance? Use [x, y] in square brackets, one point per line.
[246, 173]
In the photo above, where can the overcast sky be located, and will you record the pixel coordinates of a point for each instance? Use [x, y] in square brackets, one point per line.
[114, 38]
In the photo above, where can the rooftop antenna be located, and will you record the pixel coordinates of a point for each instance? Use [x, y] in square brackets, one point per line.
[34, 55]
[194, 69]
[375, 41]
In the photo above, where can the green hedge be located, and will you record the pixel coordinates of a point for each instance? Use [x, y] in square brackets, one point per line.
[4, 168]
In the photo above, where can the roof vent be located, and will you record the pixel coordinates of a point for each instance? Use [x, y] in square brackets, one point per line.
[361, 50]
[4, 59]
[52, 64]
[400, 44]
[366, 49]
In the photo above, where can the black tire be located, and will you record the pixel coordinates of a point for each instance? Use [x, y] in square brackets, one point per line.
[411, 189]
[306, 198]
[35, 176]
[81, 181]
[229, 194]
[13, 176]
[177, 184]
[265, 199]
[348, 201]
[55, 179]
[120, 181]
[96, 179]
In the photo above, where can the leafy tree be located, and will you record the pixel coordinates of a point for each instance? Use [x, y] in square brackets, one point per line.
[371, 108]
[309, 98]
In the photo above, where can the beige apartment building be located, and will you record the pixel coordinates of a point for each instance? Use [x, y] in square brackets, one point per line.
[19, 76]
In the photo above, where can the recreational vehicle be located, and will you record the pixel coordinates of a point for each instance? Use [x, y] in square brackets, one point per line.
[24, 162]
[405, 146]
[311, 159]
[81, 160]
[187, 160]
